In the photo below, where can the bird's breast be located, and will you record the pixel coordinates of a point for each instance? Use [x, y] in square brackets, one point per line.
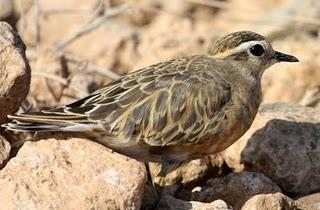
[239, 116]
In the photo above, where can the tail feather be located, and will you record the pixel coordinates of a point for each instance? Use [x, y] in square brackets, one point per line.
[14, 126]
[50, 121]
[38, 117]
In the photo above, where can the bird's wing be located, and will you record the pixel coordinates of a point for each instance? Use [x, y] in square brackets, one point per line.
[163, 104]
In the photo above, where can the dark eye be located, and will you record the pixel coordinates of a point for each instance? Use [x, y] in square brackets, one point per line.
[257, 50]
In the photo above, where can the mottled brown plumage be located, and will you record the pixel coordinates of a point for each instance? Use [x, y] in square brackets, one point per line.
[172, 111]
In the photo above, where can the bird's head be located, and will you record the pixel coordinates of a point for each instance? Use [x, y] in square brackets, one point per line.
[249, 51]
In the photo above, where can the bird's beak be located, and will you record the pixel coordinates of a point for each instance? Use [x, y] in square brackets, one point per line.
[281, 57]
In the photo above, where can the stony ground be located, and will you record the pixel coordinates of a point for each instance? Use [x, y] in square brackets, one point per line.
[76, 46]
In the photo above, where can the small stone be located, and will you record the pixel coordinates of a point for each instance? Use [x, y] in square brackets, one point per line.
[274, 201]
[309, 202]
[168, 202]
[150, 198]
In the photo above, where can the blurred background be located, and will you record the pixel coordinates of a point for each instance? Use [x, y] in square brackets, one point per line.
[76, 46]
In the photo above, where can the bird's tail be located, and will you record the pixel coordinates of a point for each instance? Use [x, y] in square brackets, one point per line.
[50, 120]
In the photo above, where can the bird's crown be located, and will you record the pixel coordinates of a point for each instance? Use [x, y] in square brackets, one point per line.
[233, 40]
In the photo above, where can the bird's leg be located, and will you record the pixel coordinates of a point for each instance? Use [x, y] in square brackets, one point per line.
[159, 180]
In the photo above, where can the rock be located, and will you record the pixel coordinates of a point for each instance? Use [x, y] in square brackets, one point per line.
[14, 71]
[168, 202]
[310, 202]
[283, 143]
[71, 174]
[274, 201]
[4, 151]
[6, 9]
[150, 198]
[235, 188]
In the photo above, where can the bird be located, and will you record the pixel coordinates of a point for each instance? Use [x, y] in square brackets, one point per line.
[173, 111]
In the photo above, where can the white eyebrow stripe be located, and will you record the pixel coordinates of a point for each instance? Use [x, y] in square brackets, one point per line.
[242, 47]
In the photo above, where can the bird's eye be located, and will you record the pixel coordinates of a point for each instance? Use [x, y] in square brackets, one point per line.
[257, 50]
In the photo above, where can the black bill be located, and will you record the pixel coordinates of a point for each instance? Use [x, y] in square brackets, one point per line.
[281, 57]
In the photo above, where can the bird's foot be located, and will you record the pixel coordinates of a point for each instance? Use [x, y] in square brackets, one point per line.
[159, 182]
